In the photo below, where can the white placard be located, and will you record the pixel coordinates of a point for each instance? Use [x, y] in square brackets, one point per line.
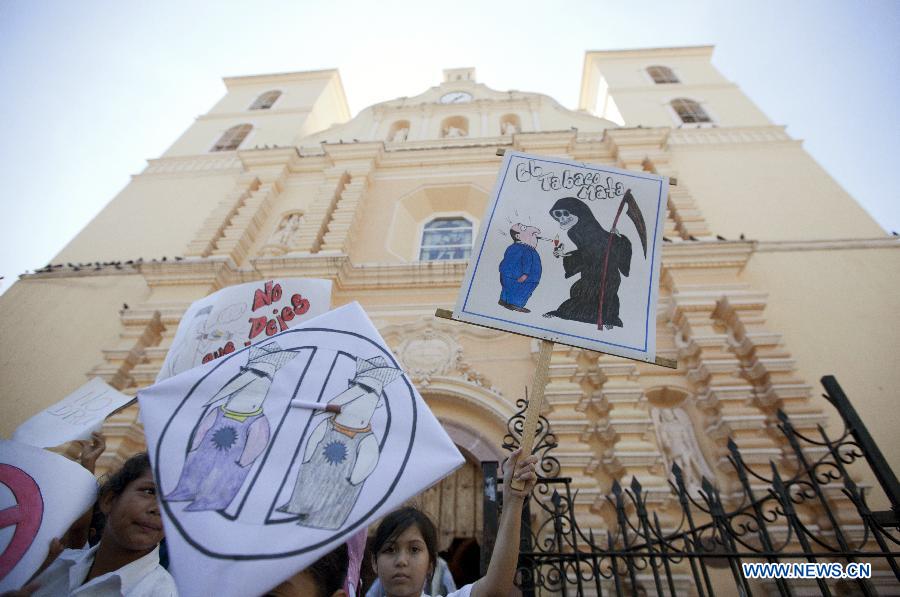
[547, 265]
[41, 495]
[254, 489]
[72, 418]
[238, 316]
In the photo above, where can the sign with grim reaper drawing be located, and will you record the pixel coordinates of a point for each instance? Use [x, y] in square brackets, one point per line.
[569, 252]
[268, 457]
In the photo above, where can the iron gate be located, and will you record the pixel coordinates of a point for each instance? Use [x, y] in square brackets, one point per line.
[751, 526]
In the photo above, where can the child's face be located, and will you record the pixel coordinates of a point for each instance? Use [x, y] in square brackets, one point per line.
[133, 520]
[404, 564]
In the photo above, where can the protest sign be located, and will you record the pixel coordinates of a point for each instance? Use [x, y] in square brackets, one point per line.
[238, 316]
[74, 417]
[257, 479]
[569, 252]
[41, 495]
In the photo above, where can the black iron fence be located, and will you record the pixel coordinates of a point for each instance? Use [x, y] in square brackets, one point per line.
[814, 514]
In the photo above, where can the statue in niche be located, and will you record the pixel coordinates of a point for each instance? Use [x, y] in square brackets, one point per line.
[510, 128]
[453, 131]
[400, 135]
[676, 439]
[288, 230]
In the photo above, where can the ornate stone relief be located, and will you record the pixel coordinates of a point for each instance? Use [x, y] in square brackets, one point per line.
[285, 235]
[678, 444]
[428, 354]
[429, 348]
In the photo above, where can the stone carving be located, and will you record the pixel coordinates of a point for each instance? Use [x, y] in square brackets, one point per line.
[288, 230]
[509, 128]
[453, 131]
[676, 439]
[400, 135]
[427, 352]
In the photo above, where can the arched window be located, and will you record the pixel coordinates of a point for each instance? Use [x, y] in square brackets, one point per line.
[662, 74]
[446, 238]
[232, 138]
[689, 111]
[266, 100]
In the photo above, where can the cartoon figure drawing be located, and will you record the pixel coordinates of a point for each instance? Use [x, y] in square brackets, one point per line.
[230, 437]
[204, 337]
[520, 269]
[601, 257]
[342, 450]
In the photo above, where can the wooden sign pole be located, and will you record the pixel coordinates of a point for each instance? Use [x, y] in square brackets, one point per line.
[535, 401]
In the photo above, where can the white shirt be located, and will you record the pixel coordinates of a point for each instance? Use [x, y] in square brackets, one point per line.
[143, 577]
[466, 591]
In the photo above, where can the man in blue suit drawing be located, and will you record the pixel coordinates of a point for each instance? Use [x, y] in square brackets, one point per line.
[520, 269]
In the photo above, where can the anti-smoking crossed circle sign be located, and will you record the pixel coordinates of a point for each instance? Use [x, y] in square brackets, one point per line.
[25, 515]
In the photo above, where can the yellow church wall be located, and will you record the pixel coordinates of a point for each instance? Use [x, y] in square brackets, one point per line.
[627, 68]
[769, 191]
[309, 103]
[53, 330]
[268, 129]
[139, 222]
[299, 90]
[839, 313]
[623, 75]
[331, 105]
[650, 107]
[400, 202]
[297, 195]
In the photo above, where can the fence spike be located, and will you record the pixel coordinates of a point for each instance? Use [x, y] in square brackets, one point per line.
[635, 486]
[736, 459]
[616, 488]
[732, 447]
[778, 484]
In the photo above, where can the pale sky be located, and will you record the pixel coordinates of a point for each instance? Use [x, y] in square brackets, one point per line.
[92, 89]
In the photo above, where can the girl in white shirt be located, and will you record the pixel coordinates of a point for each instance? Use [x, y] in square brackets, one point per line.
[126, 560]
[405, 545]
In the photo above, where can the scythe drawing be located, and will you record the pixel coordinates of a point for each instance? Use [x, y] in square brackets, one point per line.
[634, 212]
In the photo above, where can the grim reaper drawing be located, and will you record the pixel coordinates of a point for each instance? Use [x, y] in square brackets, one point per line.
[601, 257]
[230, 437]
[342, 450]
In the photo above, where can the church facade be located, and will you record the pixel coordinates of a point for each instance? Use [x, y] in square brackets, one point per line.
[772, 275]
